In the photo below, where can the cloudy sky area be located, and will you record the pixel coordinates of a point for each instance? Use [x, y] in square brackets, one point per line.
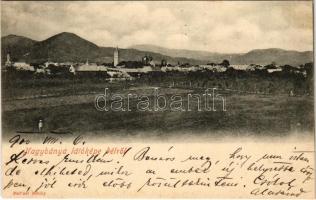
[227, 27]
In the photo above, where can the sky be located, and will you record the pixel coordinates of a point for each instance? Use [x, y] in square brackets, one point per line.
[225, 27]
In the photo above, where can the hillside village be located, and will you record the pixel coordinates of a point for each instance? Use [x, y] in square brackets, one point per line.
[128, 70]
[69, 57]
[68, 53]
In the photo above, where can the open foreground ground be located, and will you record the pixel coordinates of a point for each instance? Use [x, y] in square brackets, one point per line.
[247, 114]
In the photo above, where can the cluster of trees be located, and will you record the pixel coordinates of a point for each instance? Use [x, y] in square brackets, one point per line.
[224, 63]
[257, 81]
[131, 64]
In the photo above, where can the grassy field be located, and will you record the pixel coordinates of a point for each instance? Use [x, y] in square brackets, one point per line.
[247, 114]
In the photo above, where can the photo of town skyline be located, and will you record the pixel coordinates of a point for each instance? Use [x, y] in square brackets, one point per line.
[157, 70]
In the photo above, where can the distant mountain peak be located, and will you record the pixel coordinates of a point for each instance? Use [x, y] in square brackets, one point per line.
[16, 46]
[275, 50]
[14, 37]
[258, 56]
[67, 46]
[65, 32]
[66, 35]
[68, 40]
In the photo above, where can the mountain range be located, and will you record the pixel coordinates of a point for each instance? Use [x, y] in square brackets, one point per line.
[65, 47]
[256, 56]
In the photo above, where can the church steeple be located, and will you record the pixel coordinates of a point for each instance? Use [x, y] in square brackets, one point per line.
[116, 57]
[8, 61]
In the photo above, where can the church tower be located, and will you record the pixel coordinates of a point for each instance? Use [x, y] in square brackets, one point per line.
[8, 62]
[116, 57]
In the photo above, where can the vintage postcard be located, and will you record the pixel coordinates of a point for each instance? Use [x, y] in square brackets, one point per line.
[150, 99]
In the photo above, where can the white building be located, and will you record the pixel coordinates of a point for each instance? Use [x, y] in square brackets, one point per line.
[42, 70]
[23, 66]
[87, 68]
[144, 69]
[118, 75]
[47, 63]
[240, 67]
[152, 63]
[253, 67]
[274, 70]
[214, 68]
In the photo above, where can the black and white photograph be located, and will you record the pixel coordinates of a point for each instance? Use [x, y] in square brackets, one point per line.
[159, 72]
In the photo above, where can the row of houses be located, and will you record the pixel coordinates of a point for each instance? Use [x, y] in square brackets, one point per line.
[92, 67]
[221, 68]
[123, 72]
